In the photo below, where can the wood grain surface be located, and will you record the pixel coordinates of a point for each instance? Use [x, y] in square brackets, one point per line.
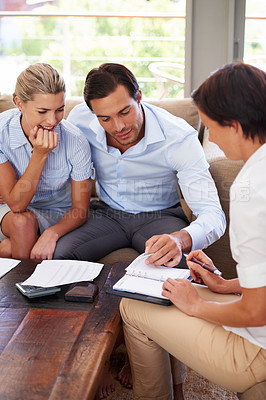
[51, 348]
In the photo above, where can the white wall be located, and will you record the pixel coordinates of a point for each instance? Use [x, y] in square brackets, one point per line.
[214, 37]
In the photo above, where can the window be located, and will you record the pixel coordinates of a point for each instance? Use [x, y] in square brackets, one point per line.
[139, 34]
[255, 33]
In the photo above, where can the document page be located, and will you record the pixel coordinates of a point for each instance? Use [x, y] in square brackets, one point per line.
[161, 273]
[6, 264]
[136, 284]
[60, 272]
[148, 279]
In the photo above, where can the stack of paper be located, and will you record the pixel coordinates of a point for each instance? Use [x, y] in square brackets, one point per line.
[60, 272]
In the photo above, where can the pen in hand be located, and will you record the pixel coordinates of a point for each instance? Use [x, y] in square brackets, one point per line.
[208, 267]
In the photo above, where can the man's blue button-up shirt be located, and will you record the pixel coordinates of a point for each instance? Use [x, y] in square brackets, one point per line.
[146, 177]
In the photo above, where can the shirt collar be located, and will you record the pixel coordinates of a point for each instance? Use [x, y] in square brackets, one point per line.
[99, 131]
[17, 137]
[153, 129]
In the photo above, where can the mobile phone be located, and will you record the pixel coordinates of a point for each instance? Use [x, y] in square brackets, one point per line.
[36, 291]
[82, 293]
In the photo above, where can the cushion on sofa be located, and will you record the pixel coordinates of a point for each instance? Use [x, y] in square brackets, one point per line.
[71, 103]
[6, 102]
[256, 392]
[183, 108]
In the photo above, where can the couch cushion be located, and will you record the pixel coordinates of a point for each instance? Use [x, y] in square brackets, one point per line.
[256, 392]
[124, 254]
[6, 102]
[71, 103]
[183, 108]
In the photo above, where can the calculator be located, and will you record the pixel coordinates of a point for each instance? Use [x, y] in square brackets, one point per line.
[36, 291]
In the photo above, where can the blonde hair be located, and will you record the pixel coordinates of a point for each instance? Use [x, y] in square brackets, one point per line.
[38, 78]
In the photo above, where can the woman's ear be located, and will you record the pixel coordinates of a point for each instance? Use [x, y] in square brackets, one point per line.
[18, 103]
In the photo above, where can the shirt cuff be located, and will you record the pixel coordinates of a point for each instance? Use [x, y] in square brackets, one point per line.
[197, 236]
[82, 176]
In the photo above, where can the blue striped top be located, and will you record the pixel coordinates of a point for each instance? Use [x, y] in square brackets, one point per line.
[71, 159]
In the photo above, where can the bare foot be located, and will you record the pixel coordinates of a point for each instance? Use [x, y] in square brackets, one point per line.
[125, 376]
[107, 385]
[5, 248]
[178, 392]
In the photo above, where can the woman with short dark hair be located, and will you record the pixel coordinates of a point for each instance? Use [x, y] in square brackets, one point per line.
[219, 329]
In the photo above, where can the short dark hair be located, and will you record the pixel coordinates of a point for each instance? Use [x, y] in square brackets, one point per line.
[235, 92]
[102, 81]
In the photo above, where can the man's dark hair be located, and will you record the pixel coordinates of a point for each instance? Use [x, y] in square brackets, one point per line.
[102, 81]
[235, 92]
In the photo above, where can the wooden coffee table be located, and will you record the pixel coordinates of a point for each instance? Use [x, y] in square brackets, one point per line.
[51, 348]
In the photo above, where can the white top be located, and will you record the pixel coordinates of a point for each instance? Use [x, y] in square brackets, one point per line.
[146, 176]
[248, 232]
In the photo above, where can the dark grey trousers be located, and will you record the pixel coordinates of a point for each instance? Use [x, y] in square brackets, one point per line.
[108, 229]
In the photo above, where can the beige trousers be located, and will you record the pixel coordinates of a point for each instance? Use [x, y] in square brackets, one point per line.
[153, 332]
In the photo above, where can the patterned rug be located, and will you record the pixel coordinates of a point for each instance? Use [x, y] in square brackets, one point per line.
[196, 387]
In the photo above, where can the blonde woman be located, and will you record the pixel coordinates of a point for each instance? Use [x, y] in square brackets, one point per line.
[45, 168]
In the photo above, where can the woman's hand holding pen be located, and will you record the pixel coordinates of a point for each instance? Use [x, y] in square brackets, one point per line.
[182, 293]
[199, 274]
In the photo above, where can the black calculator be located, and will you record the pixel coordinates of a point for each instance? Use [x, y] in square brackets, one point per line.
[36, 291]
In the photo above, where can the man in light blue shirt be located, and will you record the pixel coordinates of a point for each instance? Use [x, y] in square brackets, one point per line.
[141, 155]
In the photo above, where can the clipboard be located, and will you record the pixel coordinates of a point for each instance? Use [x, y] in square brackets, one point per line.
[138, 296]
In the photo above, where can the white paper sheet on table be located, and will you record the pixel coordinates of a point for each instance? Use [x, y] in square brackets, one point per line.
[6, 264]
[60, 272]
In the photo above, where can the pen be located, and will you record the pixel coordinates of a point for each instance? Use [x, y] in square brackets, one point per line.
[204, 265]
